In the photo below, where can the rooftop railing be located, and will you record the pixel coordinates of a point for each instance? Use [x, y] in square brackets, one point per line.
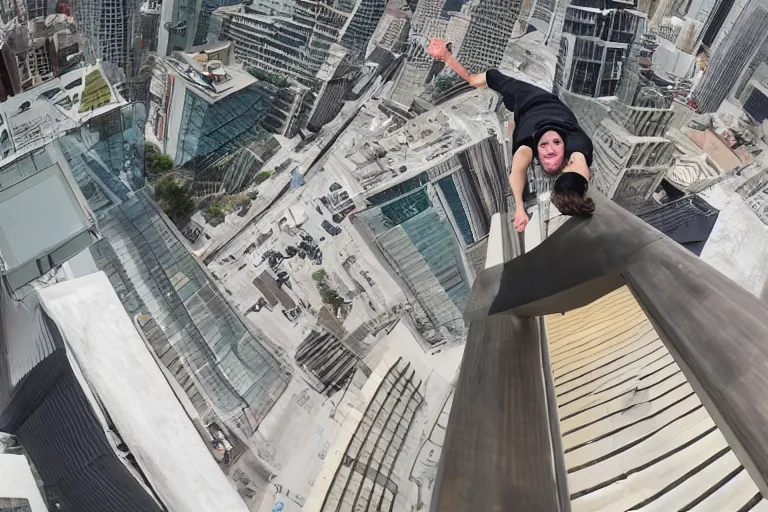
[502, 447]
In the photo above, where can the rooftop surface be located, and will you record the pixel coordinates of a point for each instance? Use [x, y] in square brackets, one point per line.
[114, 363]
[209, 71]
[635, 434]
[40, 115]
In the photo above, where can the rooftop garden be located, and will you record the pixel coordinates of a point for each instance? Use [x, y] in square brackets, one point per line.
[96, 92]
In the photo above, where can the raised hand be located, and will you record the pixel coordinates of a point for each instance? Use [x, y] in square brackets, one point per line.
[438, 48]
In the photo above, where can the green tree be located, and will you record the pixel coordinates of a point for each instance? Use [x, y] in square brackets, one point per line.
[319, 275]
[174, 197]
[156, 163]
[443, 83]
[333, 298]
[215, 211]
[262, 177]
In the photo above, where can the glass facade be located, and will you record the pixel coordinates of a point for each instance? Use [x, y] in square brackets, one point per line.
[209, 131]
[418, 240]
[226, 366]
[157, 277]
[448, 187]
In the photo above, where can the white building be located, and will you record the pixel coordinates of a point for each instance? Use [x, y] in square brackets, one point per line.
[17, 485]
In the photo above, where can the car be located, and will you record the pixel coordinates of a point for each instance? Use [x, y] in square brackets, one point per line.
[330, 228]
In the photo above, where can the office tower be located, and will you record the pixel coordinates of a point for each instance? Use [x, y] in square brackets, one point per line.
[631, 154]
[490, 27]
[290, 49]
[185, 23]
[80, 393]
[201, 24]
[414, 72]
[38, 51]
[595, 43]
[543, 14]
[395, 36]
[335, 77]
[632, 75]
[87, 436]
[425, 24]
[426, 14]
[756, 101]
[731, 57]
[94, 162]
[40, 8]
[429, 227]
[203, 109]
[150, 25]
[361, 26]
[112, 32]
[456, 31]
[720, 21]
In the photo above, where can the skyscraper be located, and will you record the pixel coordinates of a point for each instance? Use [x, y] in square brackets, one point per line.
[490, 27]
[198, 122]
[112, 32]
[292, 44]
[425, 15]
[456, 31]
[362, 25]
[596, 39]
[731, 57]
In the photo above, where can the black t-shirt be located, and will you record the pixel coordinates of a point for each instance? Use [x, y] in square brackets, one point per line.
[538, 111]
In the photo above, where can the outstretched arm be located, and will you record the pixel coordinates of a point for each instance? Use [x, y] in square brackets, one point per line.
[438, 49]
[517, 178]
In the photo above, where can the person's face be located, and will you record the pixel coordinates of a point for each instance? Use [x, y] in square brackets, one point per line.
[551, 151]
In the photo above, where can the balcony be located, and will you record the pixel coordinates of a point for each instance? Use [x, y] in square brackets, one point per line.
[606, 369]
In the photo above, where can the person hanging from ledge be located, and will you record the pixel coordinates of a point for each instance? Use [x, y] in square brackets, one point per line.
[545, 128]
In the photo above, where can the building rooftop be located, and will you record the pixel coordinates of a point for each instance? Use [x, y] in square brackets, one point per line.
[425, 141]
[208, 70]
[121, 376]
[32, 119]
[17, 483]
[44, 219]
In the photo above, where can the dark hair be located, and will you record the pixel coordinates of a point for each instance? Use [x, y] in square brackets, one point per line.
[569, 195]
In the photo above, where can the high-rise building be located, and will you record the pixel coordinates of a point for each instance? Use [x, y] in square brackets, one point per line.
[203, 19]
[631, 154]
[362, 26]
[203, 109]
[456, 31]
[595, 43]
[40, 8]
[112, 30]
[38, 51]
[756, 101]
[429, 227]
[426, 14]
[731, 57]
[490, 28]
[542, 15]
[335, 77]
[395, 35]
[81, 392]
[288, 48]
